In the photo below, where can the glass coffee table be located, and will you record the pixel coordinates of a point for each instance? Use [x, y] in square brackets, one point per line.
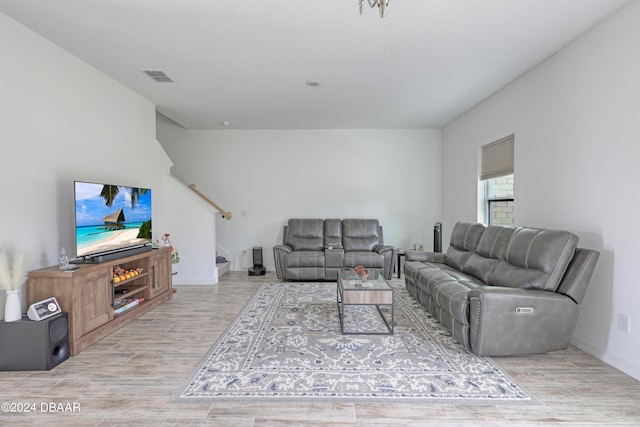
[374, 291]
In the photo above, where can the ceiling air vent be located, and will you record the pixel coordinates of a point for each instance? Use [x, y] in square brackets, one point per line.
[158, 76]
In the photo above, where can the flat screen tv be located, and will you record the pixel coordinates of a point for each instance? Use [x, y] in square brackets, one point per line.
[111, 218]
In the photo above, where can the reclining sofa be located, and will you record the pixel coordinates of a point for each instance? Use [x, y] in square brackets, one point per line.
[504, 291]
[315, 249]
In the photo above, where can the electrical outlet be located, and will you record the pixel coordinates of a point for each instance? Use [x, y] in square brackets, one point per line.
[624, 323]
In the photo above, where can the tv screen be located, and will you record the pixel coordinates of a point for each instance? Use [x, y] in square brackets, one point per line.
[111, 218]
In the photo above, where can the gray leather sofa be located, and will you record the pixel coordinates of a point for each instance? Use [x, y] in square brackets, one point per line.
[504, 291]
[315, 249]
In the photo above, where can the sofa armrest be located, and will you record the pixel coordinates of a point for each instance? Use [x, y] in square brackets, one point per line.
[512, 322]
[381, 249]
[388, 252]
[279, 252]
[424, 256]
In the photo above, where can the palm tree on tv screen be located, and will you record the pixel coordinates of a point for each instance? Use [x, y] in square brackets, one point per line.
[109, 193]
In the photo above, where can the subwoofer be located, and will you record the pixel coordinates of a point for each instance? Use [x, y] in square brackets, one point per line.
[28, 345]
[437, 237]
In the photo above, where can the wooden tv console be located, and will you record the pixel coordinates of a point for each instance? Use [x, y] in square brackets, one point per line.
[90, 293]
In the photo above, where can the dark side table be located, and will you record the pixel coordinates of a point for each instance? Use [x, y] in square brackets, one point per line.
[400, 253]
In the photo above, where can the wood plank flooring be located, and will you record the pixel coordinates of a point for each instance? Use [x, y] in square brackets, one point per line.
[129, 378]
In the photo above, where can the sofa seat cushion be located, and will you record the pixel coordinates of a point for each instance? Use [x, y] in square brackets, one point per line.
[305, 265]
[366, 258]
[535, 259]
[458, 330]
[412, 269]
[452, 297]
[301, 259]
[435, 274]
[305, 273]
[447, 289]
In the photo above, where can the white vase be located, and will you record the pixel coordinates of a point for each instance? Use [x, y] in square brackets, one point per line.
[12, 306]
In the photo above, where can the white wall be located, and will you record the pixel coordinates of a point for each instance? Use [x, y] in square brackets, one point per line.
[63, 120]
[191, 224]
[575, 119]
[274, 175]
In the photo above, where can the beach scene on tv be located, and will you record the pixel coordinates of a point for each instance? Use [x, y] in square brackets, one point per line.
[111, 217]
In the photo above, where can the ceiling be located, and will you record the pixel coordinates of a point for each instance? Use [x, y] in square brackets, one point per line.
[247, 62]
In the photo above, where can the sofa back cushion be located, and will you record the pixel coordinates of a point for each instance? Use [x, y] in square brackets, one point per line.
[491, 249]
[305, 234]
[361, 234]
[464, 241]
[535, 259]
[333, 232]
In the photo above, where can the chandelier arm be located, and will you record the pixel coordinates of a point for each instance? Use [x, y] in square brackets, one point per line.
[382, 4]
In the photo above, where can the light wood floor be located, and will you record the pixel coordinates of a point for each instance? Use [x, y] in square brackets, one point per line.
[130, 377]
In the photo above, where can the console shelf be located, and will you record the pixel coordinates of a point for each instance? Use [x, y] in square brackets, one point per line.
[131, 292]
[127, 288]
[89, 296]
[134, 278]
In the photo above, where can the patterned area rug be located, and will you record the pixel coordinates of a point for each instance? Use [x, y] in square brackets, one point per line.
[286, 345]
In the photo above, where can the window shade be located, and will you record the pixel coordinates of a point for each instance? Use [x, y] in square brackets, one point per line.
[497, 159]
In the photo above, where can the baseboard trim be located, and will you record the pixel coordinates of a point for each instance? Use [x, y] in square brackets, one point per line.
[608, 358]
[193, 282]
[270, 268]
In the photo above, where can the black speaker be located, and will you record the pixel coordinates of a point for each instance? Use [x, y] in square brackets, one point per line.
[258, 269]
[437, 237]
[29, 345]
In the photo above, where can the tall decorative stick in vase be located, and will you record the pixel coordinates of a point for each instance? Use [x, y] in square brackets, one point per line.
[12, 277]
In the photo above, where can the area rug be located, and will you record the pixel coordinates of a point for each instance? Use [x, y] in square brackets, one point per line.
[286, 345]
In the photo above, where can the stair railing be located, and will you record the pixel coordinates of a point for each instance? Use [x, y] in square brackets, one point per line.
[225, 214]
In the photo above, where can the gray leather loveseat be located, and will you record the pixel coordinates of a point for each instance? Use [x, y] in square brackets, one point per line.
[504, 291]
[315, 249]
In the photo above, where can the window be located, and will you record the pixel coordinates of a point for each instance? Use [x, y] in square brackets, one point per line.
[499, 197]
[498, 177]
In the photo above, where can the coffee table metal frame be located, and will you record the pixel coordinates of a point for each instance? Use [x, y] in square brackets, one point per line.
[350, 290]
